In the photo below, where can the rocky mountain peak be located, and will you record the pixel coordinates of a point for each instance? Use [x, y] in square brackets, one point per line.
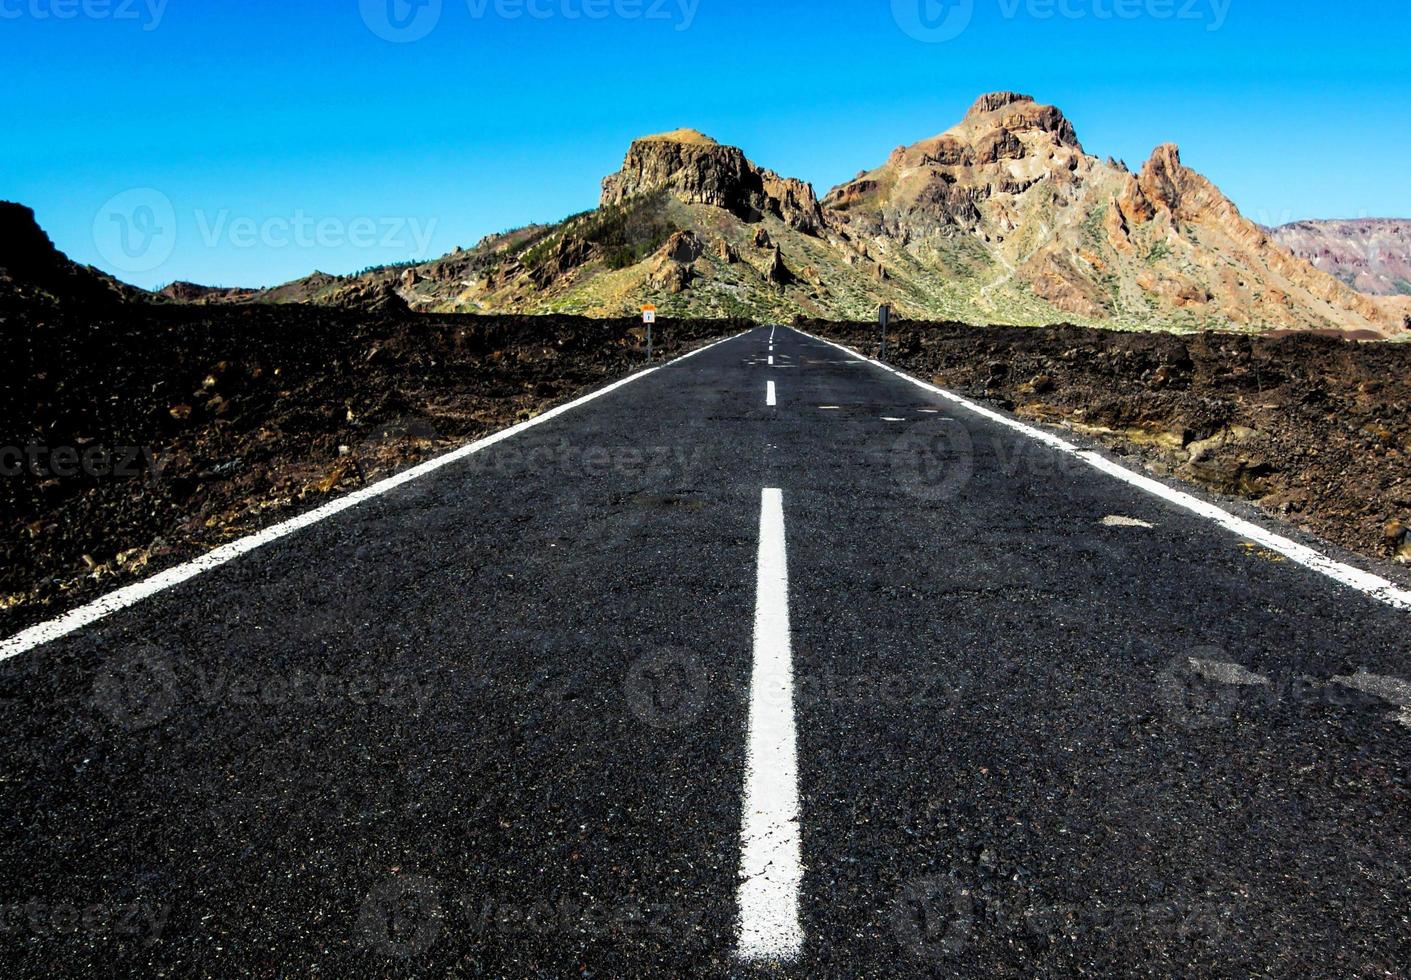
[686, 135]
[1009, 112]
[1169, 184]
[993, 101]
[695, 169]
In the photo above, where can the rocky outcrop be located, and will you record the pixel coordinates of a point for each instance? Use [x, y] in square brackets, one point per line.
[1009, 110]
[777, 273]
[33, 270]
[683, 247]
[190, 292]
[1179, 194]
[672, 268]
[568, 253]
[697, 170]
[374, 296]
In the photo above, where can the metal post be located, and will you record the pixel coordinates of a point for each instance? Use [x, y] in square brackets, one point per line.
[649, 343]
[884, 315]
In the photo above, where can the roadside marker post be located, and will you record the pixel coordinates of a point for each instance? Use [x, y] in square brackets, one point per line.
[884, 316]
[649, 317]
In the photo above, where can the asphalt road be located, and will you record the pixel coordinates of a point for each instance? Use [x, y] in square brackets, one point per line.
[500, 721]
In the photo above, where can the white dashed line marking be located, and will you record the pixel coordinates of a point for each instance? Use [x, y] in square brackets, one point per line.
[771, 850]
[1117, 520]
[770, 398]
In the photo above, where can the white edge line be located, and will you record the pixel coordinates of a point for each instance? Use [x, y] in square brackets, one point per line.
[1363, 581]
[771, 849]
[130, 595]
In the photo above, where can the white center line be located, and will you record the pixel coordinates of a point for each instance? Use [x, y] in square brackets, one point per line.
[771, 852]
[771, 360]
[769, 397]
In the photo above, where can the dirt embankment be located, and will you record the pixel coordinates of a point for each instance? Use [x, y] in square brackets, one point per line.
[143, 435]
[1315, 429]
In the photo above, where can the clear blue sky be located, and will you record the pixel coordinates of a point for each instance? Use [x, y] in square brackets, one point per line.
[246, 116]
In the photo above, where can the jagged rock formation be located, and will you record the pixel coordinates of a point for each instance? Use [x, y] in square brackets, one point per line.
[696, 169]
[1011, 201]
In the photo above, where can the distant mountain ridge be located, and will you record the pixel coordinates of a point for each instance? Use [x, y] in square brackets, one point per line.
[1003, 218]
[1372, 255]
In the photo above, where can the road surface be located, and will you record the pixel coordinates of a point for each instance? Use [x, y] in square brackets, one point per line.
[748, 667]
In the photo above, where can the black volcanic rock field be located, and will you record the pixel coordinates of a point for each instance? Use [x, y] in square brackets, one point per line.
[1315, 429]
[133, 436]
[137, 435]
